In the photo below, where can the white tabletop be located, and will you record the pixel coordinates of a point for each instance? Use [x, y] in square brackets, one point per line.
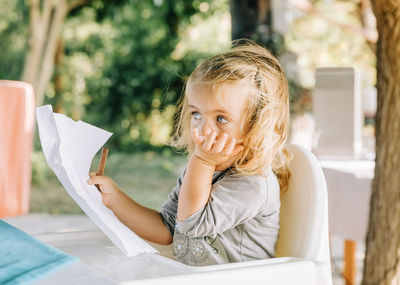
[102, 263]
[359, 168]
[100, 260]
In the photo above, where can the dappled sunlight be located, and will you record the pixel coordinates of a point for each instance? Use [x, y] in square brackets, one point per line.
[319, 43]
[122, 66]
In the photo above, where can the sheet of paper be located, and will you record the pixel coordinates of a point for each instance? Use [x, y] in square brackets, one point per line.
[69, 147]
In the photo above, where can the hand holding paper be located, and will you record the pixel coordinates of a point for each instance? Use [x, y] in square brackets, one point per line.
[102, 165]
[69, 148]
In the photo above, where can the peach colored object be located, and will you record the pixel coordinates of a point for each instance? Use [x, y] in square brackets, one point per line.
[17, 107]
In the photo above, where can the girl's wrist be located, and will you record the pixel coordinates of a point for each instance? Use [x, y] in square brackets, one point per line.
[115, 199]
[198, 159]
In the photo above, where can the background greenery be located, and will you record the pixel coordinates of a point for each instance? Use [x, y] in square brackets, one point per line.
[147, 176]
[122, 68]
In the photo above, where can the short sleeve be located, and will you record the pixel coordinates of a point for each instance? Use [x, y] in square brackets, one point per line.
[233, 200]
[170, 207]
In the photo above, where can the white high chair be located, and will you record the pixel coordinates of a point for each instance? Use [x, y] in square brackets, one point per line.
[303, 245]
[304, 215]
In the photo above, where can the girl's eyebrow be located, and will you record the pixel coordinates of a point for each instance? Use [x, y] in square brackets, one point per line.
[225, 112]
[222, 111]
[213, 111]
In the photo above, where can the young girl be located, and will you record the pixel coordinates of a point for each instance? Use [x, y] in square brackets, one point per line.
[234, 123]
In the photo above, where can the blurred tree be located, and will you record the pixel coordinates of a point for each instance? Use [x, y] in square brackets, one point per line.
[252, 19]
[330, 34]
[363, 11]
[46, 19]
[382, 261]
[124, 66]
[119, 64]
[13, 34]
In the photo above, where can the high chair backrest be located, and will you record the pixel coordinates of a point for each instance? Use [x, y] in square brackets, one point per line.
[304, 210]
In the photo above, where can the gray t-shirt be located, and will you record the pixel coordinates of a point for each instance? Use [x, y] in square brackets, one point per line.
[240, 222]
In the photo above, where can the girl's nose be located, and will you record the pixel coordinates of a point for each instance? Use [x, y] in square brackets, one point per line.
[206, 128]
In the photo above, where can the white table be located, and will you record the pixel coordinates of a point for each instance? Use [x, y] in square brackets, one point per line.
[102, 263]
[349, 190]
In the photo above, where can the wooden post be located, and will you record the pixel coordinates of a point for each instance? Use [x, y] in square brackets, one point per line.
[350, 266]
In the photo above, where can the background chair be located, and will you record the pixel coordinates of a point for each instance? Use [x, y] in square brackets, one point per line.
[16, 140]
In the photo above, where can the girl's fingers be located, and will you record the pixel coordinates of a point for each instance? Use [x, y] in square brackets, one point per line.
[196, 137]
[208, 143]
[220, 143]
[97, 180]
[229, 146]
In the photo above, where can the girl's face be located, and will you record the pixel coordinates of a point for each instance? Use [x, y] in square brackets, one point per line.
[223, 113]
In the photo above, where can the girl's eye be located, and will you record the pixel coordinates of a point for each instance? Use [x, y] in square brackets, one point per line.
[221, 119]
[196, 115]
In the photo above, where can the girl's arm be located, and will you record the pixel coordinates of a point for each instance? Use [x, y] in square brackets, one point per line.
[196, 187]
[145, 222]
[210, 154]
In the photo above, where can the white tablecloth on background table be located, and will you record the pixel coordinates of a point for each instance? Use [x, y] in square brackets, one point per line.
[349, 190]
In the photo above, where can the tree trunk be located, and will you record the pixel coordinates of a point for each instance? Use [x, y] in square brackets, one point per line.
[382, 261]
[57, 79]
[45, 24]
[250, 18]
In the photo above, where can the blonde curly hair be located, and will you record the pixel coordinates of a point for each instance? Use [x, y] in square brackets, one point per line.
[267, 120]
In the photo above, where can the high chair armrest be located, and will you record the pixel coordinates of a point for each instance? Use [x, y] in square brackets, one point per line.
[284, 270]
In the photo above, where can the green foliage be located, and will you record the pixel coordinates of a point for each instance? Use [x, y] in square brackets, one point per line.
[160, 171]
[40, 170]
[13, 35]
[126, 71]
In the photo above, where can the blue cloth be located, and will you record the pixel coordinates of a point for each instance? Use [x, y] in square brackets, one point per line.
[24, 259]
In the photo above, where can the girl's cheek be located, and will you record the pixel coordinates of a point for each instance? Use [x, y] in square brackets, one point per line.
[194, 124]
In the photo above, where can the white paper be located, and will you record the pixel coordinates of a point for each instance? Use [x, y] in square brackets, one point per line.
[69, 148]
